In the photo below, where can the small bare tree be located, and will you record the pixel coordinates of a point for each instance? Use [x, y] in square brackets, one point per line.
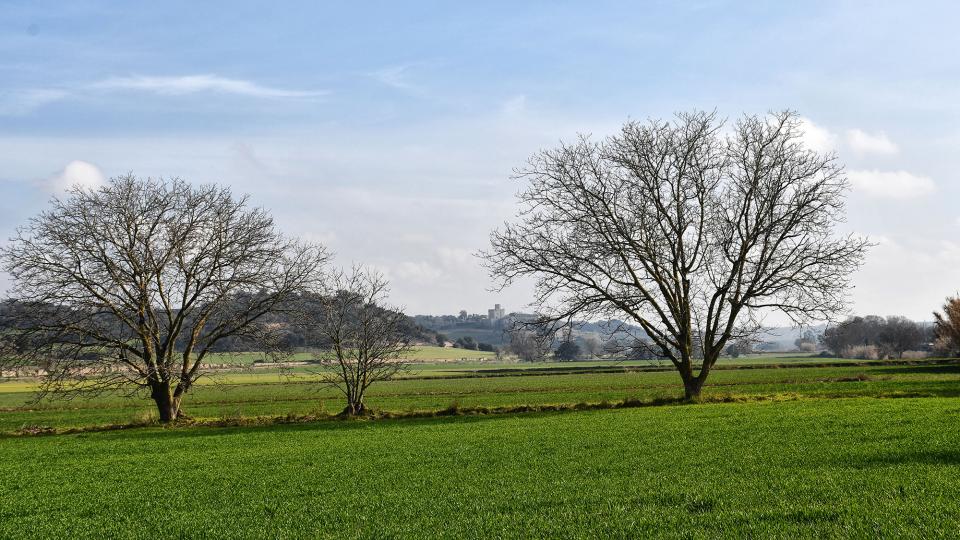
[592, 345]
[946, 328]
[531, 341]
[691, 235]
[133, 284]
[365, 340]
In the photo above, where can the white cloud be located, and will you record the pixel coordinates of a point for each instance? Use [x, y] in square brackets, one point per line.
[891, 184]
[21, 102]
[421, 273]
[923, 270]
[817, 138]
[457, 259]
[76, 173]
[866, 143]
[191, 84]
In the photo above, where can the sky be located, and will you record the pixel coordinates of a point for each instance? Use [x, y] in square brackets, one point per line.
[389, 130]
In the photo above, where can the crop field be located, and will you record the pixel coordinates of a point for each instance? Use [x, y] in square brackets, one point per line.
[819, 468]
[780, 447]
[268, 393]
[423, 353]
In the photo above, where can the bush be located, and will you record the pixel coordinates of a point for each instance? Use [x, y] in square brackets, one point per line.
[567, 351]
[466, 342]
[861, 352]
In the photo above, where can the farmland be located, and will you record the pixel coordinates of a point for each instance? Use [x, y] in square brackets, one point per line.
[821, 468]
[431, 387]
[421, 353]
[779, 447]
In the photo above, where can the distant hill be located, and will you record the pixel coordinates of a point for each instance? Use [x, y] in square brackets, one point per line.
[775, 339]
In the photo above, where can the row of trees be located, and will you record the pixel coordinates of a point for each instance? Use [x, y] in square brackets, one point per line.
[131, 286]
[890, 337]
[873, 336]
[690, 230]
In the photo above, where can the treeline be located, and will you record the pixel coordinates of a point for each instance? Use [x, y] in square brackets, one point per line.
[286, 332]
[875, 337]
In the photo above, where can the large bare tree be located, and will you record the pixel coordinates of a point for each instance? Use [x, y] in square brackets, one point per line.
[131, 285]
[690, 233]
[364, 340]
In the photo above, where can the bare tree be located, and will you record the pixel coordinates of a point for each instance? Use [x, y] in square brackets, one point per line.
[691, 235]
[899, 335]
[854, 332]
[946, 327]
[131, 285]
[530, 342]
[886, 337]
[366, 340]
[592, 345]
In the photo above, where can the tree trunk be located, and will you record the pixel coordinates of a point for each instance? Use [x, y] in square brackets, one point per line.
[166, 405]
[691, 388]
[354, 409]
[355, 404]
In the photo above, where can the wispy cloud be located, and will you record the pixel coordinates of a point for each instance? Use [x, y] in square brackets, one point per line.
[21, 102]
[394, 76]
[192, 84]
[514, 106]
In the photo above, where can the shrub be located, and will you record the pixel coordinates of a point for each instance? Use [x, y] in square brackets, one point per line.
[861, 352]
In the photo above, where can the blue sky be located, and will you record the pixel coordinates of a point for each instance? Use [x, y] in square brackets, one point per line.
[389, 130]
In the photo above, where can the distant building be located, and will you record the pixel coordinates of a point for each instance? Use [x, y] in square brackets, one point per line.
[496, 313]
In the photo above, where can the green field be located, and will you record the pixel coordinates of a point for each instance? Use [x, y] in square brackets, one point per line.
[821, 468]
[268, 393]
[804, 447]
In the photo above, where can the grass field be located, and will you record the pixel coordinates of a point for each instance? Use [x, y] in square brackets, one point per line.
[270, 394]
[812, 448]
[421, 353]
[864, 468]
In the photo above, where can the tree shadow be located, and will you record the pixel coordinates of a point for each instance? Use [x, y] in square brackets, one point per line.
[319, 425]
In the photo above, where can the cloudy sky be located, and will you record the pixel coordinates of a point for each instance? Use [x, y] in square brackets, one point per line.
[389, 130]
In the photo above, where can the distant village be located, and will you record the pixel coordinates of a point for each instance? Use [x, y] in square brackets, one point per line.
[483, 328]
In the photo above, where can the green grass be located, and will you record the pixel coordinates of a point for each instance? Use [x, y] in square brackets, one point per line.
[269, 394]
[863, 468]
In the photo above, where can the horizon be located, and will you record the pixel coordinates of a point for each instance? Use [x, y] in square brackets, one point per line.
[414, 118]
